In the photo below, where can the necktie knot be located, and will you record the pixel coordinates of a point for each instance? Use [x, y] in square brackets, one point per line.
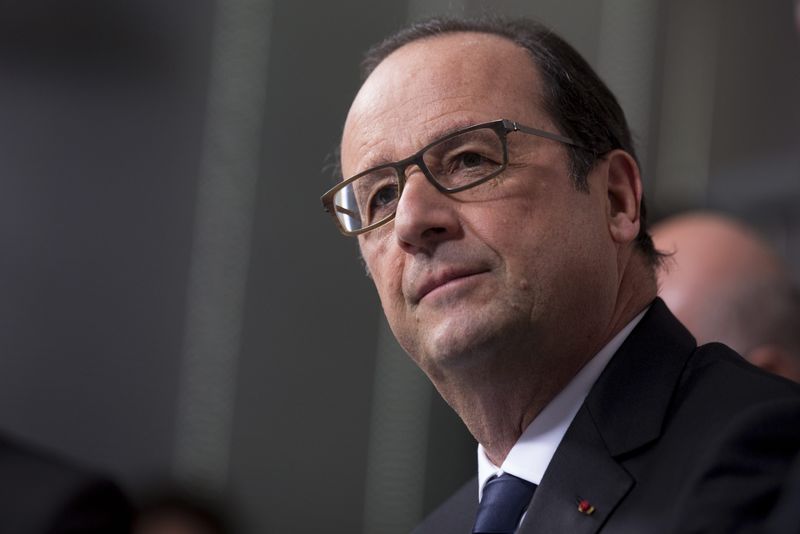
[505, 499]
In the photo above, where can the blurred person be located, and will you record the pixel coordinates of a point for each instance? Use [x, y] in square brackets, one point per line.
[176, 512]
[797, 14]
[726, 284]
[491, 181]
[41, 493]
[44, 46]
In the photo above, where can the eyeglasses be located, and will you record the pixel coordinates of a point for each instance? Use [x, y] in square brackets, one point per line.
[458, 161]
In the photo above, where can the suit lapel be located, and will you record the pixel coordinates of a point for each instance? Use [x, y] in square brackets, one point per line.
[624, 411]
[580, 469]
[631, 398]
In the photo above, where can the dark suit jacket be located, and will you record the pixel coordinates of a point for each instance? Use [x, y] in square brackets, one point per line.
[785, 516]
[42, 494]
[668, 440]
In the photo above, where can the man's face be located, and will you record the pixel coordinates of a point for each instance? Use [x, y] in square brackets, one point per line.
[522, 261]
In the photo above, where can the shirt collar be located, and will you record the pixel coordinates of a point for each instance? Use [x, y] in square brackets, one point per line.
[531, 454]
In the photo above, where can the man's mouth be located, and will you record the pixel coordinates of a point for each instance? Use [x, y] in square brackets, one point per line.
[442, 280]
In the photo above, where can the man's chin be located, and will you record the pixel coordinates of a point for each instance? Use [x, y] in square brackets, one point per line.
[454, 347]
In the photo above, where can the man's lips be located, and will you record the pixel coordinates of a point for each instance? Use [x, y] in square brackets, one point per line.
[431, 283]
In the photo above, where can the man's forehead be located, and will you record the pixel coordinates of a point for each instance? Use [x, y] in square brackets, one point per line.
[458, 61]
[435, 84]
[446, 45]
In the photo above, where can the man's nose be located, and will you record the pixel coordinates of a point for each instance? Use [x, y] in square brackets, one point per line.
[425, 216]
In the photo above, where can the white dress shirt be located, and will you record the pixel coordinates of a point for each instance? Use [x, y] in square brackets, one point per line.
[531, 454]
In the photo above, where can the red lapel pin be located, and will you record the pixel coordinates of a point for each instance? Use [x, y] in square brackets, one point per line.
[585, 507]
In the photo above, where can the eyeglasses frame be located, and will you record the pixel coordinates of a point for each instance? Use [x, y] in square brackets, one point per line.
[502, 127]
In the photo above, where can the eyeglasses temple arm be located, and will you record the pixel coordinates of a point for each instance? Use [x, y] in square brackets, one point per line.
[516, 127]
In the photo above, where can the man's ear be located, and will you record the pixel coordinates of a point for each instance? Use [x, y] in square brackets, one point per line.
[624, 196]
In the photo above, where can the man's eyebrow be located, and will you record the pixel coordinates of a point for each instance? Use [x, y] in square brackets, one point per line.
[450, 128]
[435, 135]
[377, 161]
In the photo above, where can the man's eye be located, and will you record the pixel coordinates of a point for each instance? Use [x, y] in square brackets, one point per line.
[383, 197]
[470, 159]
[467, 162]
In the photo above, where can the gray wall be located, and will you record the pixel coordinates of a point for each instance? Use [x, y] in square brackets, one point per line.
[176, 305]
[100, 114]
[305, 373]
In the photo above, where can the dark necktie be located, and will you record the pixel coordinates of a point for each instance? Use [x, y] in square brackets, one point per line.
[505, 499]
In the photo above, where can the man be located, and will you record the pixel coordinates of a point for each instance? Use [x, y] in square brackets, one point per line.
[496, 198]
[43, 494]
[725, 284]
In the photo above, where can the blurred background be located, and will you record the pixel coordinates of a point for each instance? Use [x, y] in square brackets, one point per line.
[175, 307]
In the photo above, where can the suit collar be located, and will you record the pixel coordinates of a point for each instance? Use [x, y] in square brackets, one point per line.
[580, 469]
[625, 410]
[640, 380]
[531, 454]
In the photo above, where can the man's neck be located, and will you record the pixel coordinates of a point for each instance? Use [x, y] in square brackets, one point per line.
[499, 399]
[498, 420]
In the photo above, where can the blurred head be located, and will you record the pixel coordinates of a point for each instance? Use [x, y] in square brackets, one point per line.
[518, 260]
[725, 284]
[797, 14]
[177, 513]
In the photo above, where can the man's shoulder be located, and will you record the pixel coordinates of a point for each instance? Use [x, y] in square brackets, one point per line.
[741, 469]
[726, 405]
[719, 360]
[39, 488]
[704, 390]
[718, 380]
[692, 423]
[711, 378]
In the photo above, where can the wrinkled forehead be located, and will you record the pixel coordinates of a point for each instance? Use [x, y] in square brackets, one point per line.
[434, 85]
